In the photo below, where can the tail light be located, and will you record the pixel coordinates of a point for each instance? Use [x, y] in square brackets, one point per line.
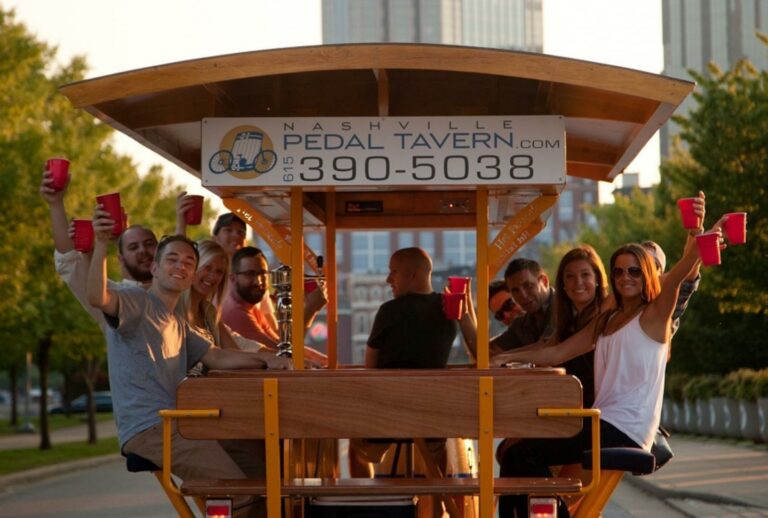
[542, 507]
[218, 508]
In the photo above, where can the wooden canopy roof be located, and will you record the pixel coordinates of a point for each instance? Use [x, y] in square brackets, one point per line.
[610, 112]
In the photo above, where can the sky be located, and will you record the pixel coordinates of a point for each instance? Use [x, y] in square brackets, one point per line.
[121, 35]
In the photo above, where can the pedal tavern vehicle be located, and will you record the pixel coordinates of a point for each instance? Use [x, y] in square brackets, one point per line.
[388, 136]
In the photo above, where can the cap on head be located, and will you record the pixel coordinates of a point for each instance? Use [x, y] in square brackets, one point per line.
[655, 250]
[226, 220]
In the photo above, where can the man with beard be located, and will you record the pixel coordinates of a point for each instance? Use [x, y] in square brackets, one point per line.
[529, 287]
[136, 248]
[248, 285]
[150, 348]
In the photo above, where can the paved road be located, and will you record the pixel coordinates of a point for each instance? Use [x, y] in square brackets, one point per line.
[113, 492]
[706, 479]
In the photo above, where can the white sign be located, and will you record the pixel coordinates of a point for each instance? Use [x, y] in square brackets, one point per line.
[384, 152]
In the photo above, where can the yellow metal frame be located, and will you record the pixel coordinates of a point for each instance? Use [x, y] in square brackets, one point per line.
[594, 414]
[262, 226]
[272, 440]
[481, 242]
[518, 230]
[171, 491]
[485, 447]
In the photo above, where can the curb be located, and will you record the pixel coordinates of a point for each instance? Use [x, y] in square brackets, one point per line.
[45, 472]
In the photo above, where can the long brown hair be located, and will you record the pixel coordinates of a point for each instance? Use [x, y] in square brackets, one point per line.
[650, 276]
[567, 320]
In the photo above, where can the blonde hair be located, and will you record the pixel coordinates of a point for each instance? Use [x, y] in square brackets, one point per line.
[209, 250]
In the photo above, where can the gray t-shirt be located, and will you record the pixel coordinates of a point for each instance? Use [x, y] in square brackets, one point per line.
[149, 350]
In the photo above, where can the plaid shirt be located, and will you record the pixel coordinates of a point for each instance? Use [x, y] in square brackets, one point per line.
[686, 290]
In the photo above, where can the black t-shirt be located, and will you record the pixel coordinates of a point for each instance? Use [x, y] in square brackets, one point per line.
[411, 332]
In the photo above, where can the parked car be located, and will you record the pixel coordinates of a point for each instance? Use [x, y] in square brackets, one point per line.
[102, 400]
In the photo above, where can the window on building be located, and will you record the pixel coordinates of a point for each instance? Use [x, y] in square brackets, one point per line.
[370, 252]
[427, 242]
[405, 240]
[459, 247]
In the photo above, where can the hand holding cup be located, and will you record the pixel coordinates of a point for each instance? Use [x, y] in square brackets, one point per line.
[103, 224]
[59, 169]
[692, 212]
[189, 208]
[111, 204]
[47, 190]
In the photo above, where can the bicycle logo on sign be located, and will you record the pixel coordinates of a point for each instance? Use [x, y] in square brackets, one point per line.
[247, 154]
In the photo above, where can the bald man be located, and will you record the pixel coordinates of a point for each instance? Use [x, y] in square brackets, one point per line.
[411, 330]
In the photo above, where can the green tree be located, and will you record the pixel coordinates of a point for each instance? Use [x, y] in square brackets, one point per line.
[39, 312]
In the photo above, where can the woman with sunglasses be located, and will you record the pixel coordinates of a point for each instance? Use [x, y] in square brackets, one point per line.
[630, 343]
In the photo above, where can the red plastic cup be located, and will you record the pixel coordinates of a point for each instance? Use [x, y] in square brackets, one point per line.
[83, 235]
[59, 169]
[453, 305]
[690, 219]
[709, 248]
[194, 214]
[310, 285]
[735, 227]
[111, 203]
[458, 284]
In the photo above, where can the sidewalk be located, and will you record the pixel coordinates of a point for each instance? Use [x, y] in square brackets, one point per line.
[711, 477]
[104, 429]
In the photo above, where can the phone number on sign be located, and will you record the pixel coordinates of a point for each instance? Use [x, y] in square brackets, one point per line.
[423, 168]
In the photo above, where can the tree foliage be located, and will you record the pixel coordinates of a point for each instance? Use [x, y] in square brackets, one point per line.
[37, 122]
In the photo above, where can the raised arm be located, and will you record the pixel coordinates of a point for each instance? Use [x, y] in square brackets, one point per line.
[468, 323]
[59, 220]
[99, 295]
[656, 319]
[183, 204]
[313, 303]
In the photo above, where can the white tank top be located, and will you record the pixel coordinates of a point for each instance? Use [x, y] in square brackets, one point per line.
[629, 381]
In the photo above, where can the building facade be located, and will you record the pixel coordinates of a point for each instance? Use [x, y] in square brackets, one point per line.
[697, 32]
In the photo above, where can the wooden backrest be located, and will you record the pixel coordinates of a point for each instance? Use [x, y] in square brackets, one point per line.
[380, 403]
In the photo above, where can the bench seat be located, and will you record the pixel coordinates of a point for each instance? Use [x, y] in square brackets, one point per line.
[302, 487]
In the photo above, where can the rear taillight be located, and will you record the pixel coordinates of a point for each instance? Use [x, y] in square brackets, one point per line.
[542, 507]
[218, 508]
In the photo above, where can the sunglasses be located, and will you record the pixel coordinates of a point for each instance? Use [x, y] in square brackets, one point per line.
[633, 271]
[505, 308]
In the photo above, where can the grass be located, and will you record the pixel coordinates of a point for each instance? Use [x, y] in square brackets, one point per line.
[55, 422]
[12, 461]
